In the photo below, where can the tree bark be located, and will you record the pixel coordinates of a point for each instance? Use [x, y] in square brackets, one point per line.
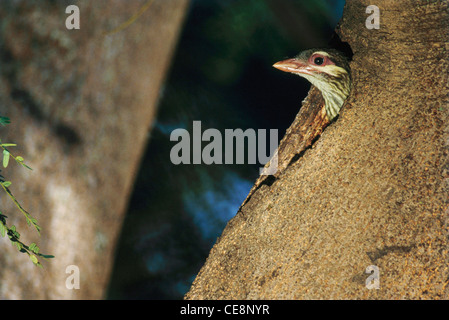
[373, 190]
[81, 103]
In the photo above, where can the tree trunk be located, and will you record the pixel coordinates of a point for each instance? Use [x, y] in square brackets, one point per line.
[81, 103]
[369, 201]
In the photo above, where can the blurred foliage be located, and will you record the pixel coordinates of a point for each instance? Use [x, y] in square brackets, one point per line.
[221, 75]
[13, 234]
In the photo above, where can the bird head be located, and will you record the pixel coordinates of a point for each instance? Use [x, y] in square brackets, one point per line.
[326, 69]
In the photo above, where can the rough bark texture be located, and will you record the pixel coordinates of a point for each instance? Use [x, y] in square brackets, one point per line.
[81, 103]
[372, 191]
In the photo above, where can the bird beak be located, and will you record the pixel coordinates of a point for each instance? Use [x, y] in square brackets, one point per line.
[294, 66]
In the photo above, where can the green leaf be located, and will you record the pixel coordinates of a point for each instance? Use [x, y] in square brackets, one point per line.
[2, 229]
[34, 248]
[9, 145]
[6, 184]
[34, 259]
[5, 158]
[24, 165]
[18, 245]
[19, 159]
[13, 233]
[4, 121]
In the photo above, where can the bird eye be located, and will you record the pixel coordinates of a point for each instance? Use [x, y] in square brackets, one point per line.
[318, 61]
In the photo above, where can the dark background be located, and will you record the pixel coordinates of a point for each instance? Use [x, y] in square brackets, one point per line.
[221, 75]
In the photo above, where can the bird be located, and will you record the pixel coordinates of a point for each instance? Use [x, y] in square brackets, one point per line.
[326, 69]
